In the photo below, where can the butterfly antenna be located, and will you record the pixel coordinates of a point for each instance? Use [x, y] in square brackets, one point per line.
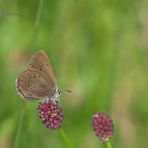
[68, 91]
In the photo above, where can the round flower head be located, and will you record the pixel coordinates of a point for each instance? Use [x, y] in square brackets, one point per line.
[103, 126]
[51, 114]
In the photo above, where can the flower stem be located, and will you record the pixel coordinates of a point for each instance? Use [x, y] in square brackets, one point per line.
[108, 144]
[65, 137]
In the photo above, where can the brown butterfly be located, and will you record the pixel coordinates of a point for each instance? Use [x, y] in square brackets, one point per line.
[38, 80]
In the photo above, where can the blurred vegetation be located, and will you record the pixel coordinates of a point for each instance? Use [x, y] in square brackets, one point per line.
[99, 49]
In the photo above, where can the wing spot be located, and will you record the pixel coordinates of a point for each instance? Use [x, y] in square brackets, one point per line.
[40, 69]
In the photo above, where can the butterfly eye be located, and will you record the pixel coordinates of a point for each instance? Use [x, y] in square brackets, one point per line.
[59, 92]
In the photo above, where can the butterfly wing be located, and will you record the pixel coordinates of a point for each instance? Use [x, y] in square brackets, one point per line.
[40, 62]
[32, 85]
[38, 80]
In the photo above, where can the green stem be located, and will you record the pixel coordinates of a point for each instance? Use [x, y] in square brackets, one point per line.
[38, 14]
[16, 142]
[65, 137]
[37, 21]
[108, 144]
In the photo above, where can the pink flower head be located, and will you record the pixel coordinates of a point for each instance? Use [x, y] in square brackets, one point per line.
[103, 126]
[51, 114]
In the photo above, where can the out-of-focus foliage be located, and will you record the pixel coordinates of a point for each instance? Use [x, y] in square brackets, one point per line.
[99, 49]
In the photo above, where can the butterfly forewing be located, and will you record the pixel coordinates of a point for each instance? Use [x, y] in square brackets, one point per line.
[38, 81]
[40, 62]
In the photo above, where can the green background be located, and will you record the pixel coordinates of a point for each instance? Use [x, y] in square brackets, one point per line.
[99, 50]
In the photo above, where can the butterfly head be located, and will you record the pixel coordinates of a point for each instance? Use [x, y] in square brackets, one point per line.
[57, 94]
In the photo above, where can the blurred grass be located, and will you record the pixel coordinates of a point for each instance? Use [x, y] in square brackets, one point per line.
[99, 51]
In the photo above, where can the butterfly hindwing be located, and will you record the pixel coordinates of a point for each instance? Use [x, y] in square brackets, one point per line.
[32, 85]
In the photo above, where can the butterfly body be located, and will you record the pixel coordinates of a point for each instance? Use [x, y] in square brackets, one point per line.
[38, 80]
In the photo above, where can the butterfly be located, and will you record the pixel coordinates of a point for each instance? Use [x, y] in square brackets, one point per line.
[38, 81]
